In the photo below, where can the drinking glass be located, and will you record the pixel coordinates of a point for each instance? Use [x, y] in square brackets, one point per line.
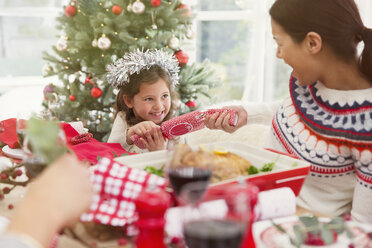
[21, 125]
[184, 167]
[210, 228]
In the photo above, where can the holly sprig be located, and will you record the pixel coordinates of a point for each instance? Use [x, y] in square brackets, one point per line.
[311, 231]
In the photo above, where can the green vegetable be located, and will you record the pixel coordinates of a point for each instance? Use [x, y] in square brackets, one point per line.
[252, 170]
[268, 167]
[152, 170]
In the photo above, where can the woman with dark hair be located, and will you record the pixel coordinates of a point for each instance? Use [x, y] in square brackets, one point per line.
[327, 119]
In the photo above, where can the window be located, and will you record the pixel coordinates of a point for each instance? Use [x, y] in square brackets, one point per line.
[226, 35]
[27, 27]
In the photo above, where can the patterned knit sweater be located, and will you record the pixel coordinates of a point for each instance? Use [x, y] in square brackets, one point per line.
[332, 130]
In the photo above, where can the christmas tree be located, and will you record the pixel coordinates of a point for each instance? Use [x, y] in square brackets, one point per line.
[97, 33]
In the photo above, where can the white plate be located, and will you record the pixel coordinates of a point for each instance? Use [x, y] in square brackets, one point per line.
[267, 236]
[13, 153]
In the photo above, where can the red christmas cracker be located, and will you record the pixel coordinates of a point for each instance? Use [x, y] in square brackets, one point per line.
[187, 123]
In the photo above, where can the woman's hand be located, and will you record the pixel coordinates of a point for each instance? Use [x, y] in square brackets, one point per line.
[140, 129]
[154, 140]
[221, 121]
[57, 197]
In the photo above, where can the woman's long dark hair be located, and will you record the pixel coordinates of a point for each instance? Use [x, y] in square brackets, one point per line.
[338, 22]
[132, 88]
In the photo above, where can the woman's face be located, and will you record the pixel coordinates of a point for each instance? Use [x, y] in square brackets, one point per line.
[296, 55]
[152, 102]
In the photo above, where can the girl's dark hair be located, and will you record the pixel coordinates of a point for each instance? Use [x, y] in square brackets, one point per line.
[338, 22]
[132, 88]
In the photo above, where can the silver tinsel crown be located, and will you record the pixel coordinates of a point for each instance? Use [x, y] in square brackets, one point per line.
[136, 61]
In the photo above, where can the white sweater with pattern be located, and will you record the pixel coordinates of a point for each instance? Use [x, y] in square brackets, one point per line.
[332, 130]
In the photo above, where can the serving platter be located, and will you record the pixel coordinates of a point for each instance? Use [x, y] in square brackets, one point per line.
[287, 171]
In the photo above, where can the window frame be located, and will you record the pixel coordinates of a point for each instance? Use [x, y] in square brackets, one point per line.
[258, 14]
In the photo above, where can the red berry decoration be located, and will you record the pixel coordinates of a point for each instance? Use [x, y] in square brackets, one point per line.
[116, 9]
[96, 92]
[6, 190]
[155, 3]
[18, 172]
[191, 104]
[70, 11]
[87, 80]
[186, 7]
[182, 57]
[10, 206]
[72, 98]
[3, 176]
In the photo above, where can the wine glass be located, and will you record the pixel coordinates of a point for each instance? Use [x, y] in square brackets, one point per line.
[217, 225]
[21, 125]
[35, 157]
[185, 166]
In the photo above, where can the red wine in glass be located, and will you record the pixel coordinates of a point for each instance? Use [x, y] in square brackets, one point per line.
[181, 176]
[213, 234]
[34, 166]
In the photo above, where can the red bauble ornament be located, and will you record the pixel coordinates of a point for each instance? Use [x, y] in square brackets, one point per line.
[70, 11]
[182, 57]
[184, 6]
[72, 98]
[96, 92]
[87, 80]
[155, 3]
[191, 104]
[116, 9]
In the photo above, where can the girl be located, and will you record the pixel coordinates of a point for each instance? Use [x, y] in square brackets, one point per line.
[327, 119]
[145, 81]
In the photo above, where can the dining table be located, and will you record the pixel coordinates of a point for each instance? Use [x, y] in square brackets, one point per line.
[80, 235]
[77, 235]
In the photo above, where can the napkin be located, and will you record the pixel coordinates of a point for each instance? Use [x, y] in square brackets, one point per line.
[9, 135]
[187, 123]
[116, 188]
[92, 149]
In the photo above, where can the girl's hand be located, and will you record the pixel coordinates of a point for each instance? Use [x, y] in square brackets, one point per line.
[221, 121]
[154, 140]
[140, 129]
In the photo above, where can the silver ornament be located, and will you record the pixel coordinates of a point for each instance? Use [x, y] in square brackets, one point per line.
[104, 43]
[129, 7]
[94, 43]
[154, 26]
[190, 33]
[46, 69]
[138, 7]
[174, 43]
[62, 44]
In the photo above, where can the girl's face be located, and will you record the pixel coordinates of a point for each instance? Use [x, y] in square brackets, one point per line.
[152, 102]
[296, 55]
